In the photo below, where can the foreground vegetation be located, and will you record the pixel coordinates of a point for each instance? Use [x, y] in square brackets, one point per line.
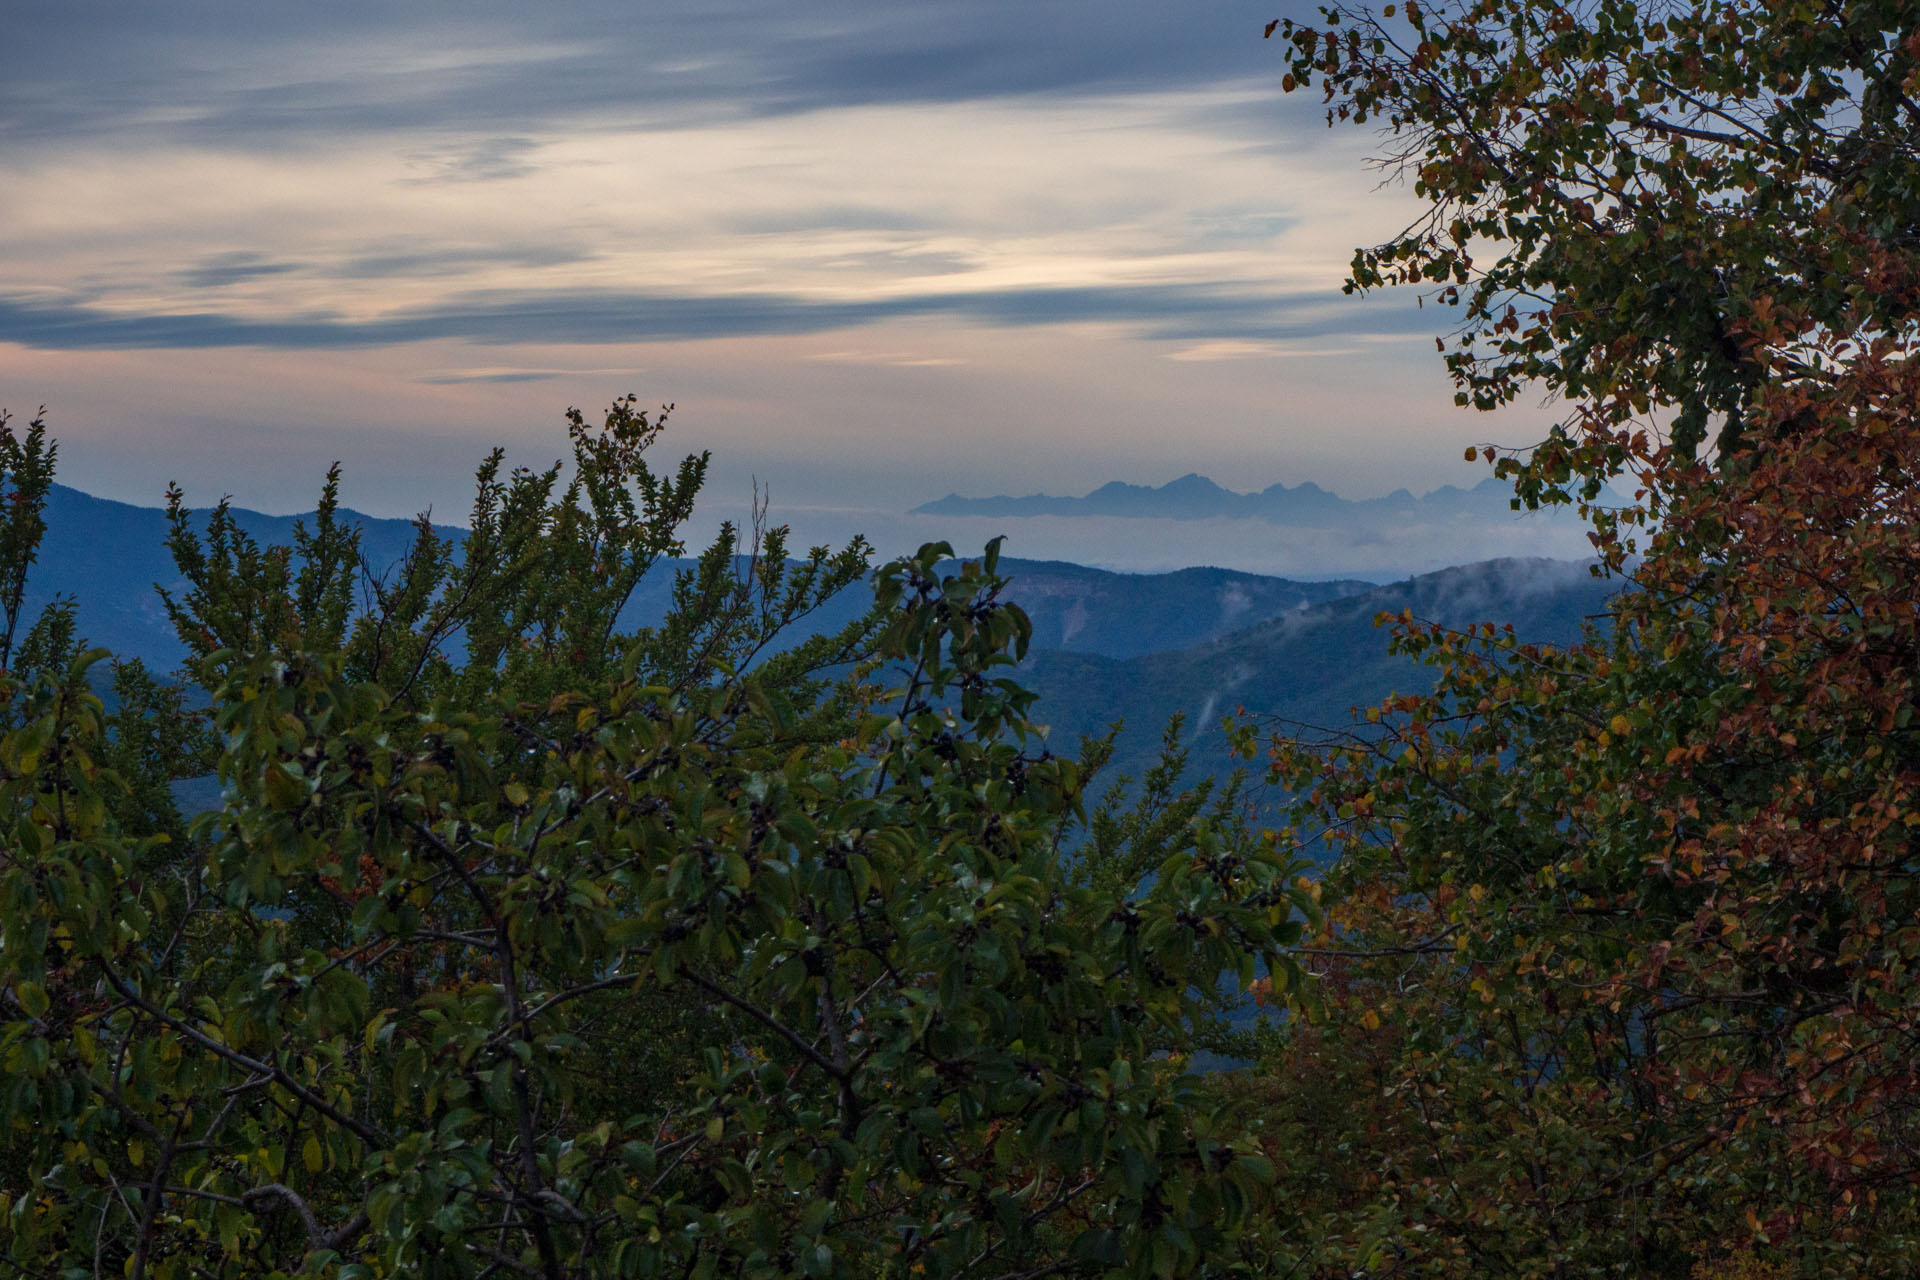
[524, 946]
[1621, 973]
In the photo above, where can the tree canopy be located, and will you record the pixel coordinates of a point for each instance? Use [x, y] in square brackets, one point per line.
[523, 945]
[1620, 946]
[1647, 206]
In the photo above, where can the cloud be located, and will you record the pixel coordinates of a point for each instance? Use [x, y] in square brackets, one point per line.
[457, 377]
[832, 208]
[221, 71]
[901, 262]
[490, 375]
[843, 217]
[474, 160]
[420, 262]
[1241, 226]
[1237, 349]
[888, 359]
[223, 269]
[1210, 312]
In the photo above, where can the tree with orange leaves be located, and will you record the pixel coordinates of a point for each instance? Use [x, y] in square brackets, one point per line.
[1638, 917]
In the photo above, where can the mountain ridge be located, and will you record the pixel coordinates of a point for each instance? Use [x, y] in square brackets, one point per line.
[1197, 497]
[1106, 645]
[1312, 666]
[109, 556]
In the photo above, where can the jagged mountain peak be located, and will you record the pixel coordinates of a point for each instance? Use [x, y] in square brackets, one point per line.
[1197, 497]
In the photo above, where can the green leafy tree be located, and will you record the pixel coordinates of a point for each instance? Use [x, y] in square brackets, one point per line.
[26, 473]
[531, 597]
[526, 946]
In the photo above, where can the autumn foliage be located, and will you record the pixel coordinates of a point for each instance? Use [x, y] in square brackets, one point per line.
[1641, 913]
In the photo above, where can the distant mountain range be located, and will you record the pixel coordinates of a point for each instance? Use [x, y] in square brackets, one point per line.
[1195, 497]
[1106, 646]
[110, 556]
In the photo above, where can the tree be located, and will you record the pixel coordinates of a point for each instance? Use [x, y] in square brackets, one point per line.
[1643, 909]
[1648, 207]
[509, 955]
[1635, 917]
[531, 598]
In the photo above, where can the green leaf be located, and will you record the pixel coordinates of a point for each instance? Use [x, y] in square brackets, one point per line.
[32, 997]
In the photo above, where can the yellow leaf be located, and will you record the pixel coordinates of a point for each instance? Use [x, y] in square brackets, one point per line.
[313, 1153]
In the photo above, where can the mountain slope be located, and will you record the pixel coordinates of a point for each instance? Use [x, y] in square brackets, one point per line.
[1125, 615]
[110, 555]
[1314, 665]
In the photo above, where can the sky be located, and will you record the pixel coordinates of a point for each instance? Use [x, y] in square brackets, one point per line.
[875, 252]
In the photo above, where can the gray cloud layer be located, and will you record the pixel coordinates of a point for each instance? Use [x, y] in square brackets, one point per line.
[1171, 311]
[341, 178]
[215, 71]
[484, 79]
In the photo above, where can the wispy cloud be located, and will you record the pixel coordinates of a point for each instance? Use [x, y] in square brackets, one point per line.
[225, 71]
[474, 160]
[1079, 221]
[830, 217]
[1234, 322]
[422, 261]
[1238, 349]
[457, 377]
[888, 359]
[223, 269]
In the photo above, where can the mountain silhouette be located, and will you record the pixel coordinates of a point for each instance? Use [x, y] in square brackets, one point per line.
[1195, 497]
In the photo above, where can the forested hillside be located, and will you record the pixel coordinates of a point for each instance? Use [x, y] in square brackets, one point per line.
[1315, 666]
